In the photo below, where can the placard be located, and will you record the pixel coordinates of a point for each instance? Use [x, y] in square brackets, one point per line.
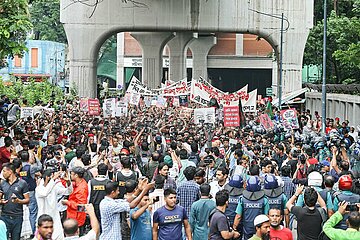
[204, 115]
[27, 112]
[121, 109]
[84, 107]
[231, 116]
[134, 98]
[109, 107]
[289, 118]
[266, 122]
[94, 107]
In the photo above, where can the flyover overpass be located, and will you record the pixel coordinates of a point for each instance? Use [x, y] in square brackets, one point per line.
[88, 26]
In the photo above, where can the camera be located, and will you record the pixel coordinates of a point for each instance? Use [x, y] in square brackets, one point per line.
[352, 207]
[208, 160]
[81, 208]
[156, 199]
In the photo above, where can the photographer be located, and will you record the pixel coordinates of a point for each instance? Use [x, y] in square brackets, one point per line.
[353, 223]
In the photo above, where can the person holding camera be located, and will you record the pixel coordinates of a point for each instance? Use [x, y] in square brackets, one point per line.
[72, 230]
[78, 196]
[353, 223]
[309, 217]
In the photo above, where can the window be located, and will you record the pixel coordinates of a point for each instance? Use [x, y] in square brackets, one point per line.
[17, 61]
[34, 57]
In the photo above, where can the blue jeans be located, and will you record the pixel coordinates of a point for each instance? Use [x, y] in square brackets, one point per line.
[33, 209]
[13, 226]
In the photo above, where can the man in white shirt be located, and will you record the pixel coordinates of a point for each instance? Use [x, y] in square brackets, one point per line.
[221, 180]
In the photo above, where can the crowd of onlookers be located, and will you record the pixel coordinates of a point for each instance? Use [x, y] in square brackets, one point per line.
[154, 174]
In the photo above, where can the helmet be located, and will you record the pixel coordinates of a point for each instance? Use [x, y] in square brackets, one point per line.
[345, 182]
[253, 184]
[319, 145]
[270, 182]
[315, 179]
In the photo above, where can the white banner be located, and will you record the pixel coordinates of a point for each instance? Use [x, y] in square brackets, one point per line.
[26, 112]
[202, 92]
[207, 115]
[250, 104]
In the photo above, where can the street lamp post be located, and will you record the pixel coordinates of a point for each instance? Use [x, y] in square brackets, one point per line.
[281, 60]
[323, 94]
[282, 30]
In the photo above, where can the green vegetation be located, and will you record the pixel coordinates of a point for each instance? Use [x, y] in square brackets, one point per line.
[343, 41]
[14, 26]
[31, 91]
[45, 16]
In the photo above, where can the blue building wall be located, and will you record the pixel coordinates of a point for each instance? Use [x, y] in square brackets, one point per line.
[51, 60]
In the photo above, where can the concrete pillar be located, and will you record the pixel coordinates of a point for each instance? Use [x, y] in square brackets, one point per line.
[83, 77]
[152, 44]
[83, 56]
[178, 49]
[239, 45]
[200, 48]
[120, 80]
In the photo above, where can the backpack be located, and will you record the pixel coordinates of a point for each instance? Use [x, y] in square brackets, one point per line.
[324, 218]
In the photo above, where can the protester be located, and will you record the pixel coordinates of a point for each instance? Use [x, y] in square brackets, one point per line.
[353, 223]
[169, 219]
[277, 230]
[199, 213]
[262, 226]
[161, 144]
[14, 193]
[45, 227]
[219, 224]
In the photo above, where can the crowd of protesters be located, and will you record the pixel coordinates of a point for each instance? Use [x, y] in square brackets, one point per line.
[154, 174]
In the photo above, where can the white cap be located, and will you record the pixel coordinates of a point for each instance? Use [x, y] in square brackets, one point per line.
[315, 179]
[260, 219]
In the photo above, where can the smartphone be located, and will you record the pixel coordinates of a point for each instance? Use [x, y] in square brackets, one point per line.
[352, 207]
[81, 208]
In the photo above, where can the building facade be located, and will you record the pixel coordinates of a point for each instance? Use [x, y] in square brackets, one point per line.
[43, 60]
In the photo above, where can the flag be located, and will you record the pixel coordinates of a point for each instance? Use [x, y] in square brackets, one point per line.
[269, 110]
[241, 115]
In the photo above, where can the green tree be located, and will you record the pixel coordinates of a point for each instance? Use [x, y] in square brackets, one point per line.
[31, 91]
[14, 26]
[343, 48]
[45, 16]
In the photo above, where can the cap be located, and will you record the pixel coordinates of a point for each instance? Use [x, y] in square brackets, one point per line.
[253, 184]
[260, 219]
[270, 182]
[168, 161]
[313, 161]
[325, 163]
[315, 179]
[236, 181]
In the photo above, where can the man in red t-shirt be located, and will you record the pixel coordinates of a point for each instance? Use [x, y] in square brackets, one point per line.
[5, 151]
[278, 231]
